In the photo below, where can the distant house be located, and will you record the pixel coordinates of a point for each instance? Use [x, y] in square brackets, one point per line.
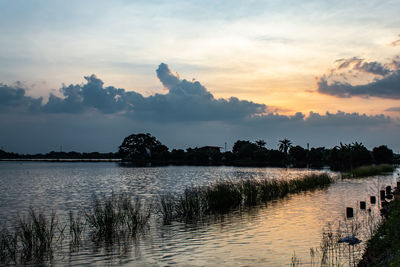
[211, 148]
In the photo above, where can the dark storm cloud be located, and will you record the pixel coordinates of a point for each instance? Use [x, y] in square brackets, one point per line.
[387, 87]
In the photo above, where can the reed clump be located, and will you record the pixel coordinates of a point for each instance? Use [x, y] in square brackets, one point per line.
[76, 228]
[225, 195]
[32, 240]
[37, 236]
[8, 247]
[222, 196]
[370, 170]
[112, 215]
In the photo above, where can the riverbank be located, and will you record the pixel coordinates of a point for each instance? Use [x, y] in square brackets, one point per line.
[383, 249]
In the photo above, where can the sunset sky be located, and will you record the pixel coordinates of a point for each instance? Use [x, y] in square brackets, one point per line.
[198, 73]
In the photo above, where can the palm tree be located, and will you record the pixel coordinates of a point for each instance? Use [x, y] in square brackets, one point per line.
[261, 143]
[284, 145]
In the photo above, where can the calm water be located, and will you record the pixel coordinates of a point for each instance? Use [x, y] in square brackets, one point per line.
[266, 235]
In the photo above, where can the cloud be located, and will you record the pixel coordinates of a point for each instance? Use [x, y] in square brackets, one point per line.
[384, 82]
[185, 101]
[393, 109]
[91, 116]
[14, 98]
[167, 78]
[387, 87]
[92, 95]
[396, 43]
[344, 119]
[361, 65]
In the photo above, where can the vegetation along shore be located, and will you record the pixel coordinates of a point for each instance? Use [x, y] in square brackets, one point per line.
[145, 150]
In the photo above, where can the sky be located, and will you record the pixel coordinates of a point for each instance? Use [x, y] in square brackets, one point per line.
[85, 74]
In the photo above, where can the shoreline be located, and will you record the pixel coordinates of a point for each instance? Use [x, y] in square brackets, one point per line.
[65, 160]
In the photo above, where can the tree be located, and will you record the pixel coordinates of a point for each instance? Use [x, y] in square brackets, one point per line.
[349, 156]
[244, 149]
[284, 145]
[142, 147]
[299, 155]
[382, 154]
[261, 143]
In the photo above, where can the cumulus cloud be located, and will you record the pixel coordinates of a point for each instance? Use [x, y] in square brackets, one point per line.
[185, 101]
[92, 95]
[13, 97]
[385, 84]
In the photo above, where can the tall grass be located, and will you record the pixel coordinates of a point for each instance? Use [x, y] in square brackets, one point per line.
[32, 241]
[76, 228]
[37, 235]
[222, 196]
[225, 195]
[111, 215]
[167, 208]
[8, 247]
[369, 170]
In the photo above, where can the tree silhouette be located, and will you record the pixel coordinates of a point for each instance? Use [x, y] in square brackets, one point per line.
[261, 143]
[382, 154]
[284, 145]
[141, 146]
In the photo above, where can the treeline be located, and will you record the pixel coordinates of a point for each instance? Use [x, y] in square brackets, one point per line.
[142, 149]
[59, 155]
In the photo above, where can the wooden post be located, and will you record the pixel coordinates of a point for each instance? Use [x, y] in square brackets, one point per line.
[373, 200]
[388, 190]
[382, 195]
[363, 205]
[349, 212]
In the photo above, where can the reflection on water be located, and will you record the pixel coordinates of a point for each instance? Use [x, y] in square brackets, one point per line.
[264, 235]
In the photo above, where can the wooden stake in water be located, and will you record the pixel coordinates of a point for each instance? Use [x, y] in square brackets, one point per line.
[349, 212]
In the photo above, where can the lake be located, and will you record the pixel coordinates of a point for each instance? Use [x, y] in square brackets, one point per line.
[265, 235]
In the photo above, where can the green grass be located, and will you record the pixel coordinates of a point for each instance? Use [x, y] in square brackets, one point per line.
[225, 195]
[370, 170]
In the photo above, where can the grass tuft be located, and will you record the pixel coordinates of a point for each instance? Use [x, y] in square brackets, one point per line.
[110, 216]
[76, 228]
[369, 170]
[37, 235]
